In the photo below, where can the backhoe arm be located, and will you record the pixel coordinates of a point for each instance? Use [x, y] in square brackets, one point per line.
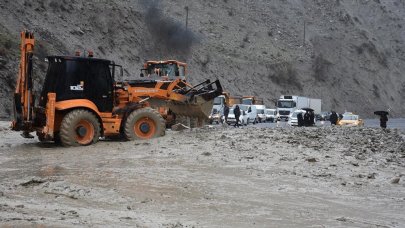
[23, 99]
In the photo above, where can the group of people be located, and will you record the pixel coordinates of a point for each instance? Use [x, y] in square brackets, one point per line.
[236, 112]
[308, 119]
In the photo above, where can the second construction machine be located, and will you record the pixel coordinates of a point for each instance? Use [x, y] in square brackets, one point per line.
[81, 102]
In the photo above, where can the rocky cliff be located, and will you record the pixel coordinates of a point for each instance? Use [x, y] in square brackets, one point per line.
[349, 53]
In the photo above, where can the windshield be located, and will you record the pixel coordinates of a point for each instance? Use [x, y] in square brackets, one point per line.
[260, 111]
[286, 104]
[170, 70]
[350, 117]
[295, 114]
[243, 107]
[247, 101]
[270, 112]
[218, 100]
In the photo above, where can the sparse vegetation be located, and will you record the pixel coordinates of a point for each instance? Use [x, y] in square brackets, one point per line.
[376, 91]
[372, 50]
[284, 74]
[320, 67]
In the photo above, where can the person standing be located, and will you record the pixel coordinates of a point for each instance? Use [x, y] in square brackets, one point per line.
[226, 112]
[311, 118]
[236, 112]
[306, 119]
[300, 119]
[333, 118]
[383, 121]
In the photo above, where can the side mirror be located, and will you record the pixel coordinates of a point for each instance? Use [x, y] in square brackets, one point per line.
[142, 75]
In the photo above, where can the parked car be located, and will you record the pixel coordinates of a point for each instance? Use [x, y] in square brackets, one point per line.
[292, 118]
[271, 115]
[350, 119]
[231, 117]
[215, 116]
[261, 116]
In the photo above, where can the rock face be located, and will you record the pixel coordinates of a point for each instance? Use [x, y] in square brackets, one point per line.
[349, 53]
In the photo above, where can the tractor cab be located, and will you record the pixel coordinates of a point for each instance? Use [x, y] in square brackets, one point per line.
[72, 77]
[166, 70]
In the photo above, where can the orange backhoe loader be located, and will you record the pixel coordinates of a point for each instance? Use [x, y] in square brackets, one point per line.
[80, 100]
[164, 70]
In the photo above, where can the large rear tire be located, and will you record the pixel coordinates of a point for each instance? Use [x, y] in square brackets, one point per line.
[144, 123]
[79, 128]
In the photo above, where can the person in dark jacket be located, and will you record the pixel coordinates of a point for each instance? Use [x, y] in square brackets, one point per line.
[383, 121]
[333, 118]
[306, 119]
[300, 119]
[226, 113]
[311, 118]
[236, 112]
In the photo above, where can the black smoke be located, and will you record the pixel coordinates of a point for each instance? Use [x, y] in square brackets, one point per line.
[167, 33]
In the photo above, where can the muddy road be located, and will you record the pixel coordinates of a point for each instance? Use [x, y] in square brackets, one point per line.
[211, 177]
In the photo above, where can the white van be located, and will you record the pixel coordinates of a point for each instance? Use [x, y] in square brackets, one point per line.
[261, 115]
[293, 119]
[248, 113]
[271, 115]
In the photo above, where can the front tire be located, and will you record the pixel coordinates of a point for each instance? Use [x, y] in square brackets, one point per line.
[144, 123]
[79, 128]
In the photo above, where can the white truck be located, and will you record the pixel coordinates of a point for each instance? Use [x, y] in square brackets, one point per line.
[218, 105]
[288, 104]
[217, 109]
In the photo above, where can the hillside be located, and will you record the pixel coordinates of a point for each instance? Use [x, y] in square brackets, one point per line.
[349, 53]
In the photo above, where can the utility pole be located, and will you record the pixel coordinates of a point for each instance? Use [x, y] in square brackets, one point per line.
[186, 8]
[303, 41]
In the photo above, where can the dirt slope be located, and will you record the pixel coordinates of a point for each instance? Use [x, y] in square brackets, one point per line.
[351, 55]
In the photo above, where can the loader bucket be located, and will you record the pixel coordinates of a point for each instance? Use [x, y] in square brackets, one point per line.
[200, 101]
